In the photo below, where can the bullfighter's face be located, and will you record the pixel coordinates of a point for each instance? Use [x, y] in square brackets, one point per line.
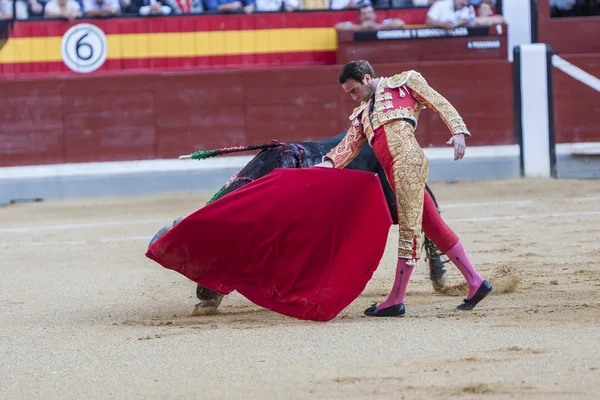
[359, 91]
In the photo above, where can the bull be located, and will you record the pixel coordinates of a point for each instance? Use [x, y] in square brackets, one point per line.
[303, 155]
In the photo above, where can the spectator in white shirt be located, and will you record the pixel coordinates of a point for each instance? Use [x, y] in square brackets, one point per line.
[343, 4]
[101, 8]
[449, 14]
[423, 3]
[368, 21]
[6, 9]
[67, 9]
[152, 7]
[277, 5]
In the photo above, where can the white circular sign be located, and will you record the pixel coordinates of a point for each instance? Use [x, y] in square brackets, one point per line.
[84, 48]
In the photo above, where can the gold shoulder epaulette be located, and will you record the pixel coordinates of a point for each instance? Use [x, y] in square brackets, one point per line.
[357, 111]
[399, 80]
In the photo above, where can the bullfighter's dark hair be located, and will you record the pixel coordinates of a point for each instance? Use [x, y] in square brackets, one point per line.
[356, 70]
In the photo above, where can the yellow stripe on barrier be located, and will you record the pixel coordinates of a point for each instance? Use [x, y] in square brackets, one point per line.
[181, 44]
[38, 49]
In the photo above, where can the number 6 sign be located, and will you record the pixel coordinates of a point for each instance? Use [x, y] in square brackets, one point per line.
[84, 48]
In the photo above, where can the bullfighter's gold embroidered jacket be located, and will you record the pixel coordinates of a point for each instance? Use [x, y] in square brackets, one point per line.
[401, 96]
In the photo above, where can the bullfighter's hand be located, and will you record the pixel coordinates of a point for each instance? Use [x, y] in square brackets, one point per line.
[459, 145]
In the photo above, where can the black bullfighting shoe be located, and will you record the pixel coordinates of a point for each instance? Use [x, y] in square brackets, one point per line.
[391, 311]
[481, 293]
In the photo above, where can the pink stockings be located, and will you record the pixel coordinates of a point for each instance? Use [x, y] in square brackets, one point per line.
[446, 240]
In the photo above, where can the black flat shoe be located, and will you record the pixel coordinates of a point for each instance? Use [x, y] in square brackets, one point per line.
[391, 311]
[481, 293]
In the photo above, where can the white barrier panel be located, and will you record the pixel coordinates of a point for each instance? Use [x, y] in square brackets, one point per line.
[536, 122]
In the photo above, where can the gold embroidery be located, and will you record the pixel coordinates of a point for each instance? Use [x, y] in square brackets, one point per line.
[375, 122]
[367, 123]
[429, 97]
[383, 105]
[397, 113]
[342, 154]
[410, 171]
[398, 80]
[381, 85]
[385, 96]
[357, 111]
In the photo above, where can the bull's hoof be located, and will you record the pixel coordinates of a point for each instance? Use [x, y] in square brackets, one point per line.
[436, 265]
[164, 230]
[208, 307]
[204, 309]
[439, 285]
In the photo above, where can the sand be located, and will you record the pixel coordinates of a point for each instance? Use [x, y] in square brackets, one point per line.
[85, 315]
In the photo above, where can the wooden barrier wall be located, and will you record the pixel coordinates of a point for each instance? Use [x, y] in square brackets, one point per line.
[138, 117]
[576, 106]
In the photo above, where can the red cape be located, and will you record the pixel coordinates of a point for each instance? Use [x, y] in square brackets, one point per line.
[300, 242]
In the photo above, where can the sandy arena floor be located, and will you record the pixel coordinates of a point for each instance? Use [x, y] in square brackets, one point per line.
[85, 315]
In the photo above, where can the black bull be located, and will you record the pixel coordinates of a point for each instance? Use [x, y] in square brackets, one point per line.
[304, 155]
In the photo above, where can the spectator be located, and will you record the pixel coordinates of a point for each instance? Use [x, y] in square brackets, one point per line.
[101, 8]
[6, 9]
[225, 6]
[393, 4]
[277, 5]
[315, 4]
[449, 14]
[67, 9]
[343, 4]
[154, 7]
[367, 21]
[486, 14]
[36, 7]
[423, 3]
[191, 6]
[563, 8]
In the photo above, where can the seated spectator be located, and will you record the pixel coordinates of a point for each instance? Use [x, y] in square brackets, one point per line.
[315, 4]
[36, 7]
[277, 5]
[6, 9]
[423, 3]
[367, 21]
[475, 3]
[449, 14]
[562, 8]
[154, 7]
[228, 6]
[395, 4]
[343, 4]
[101, 8]
[486, 14]
[67, 9]
[191, 6]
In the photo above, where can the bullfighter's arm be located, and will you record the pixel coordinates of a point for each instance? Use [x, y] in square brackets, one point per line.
[429, 97]
[342, 154]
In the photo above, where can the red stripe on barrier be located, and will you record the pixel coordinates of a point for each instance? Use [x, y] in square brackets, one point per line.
[291, 59]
